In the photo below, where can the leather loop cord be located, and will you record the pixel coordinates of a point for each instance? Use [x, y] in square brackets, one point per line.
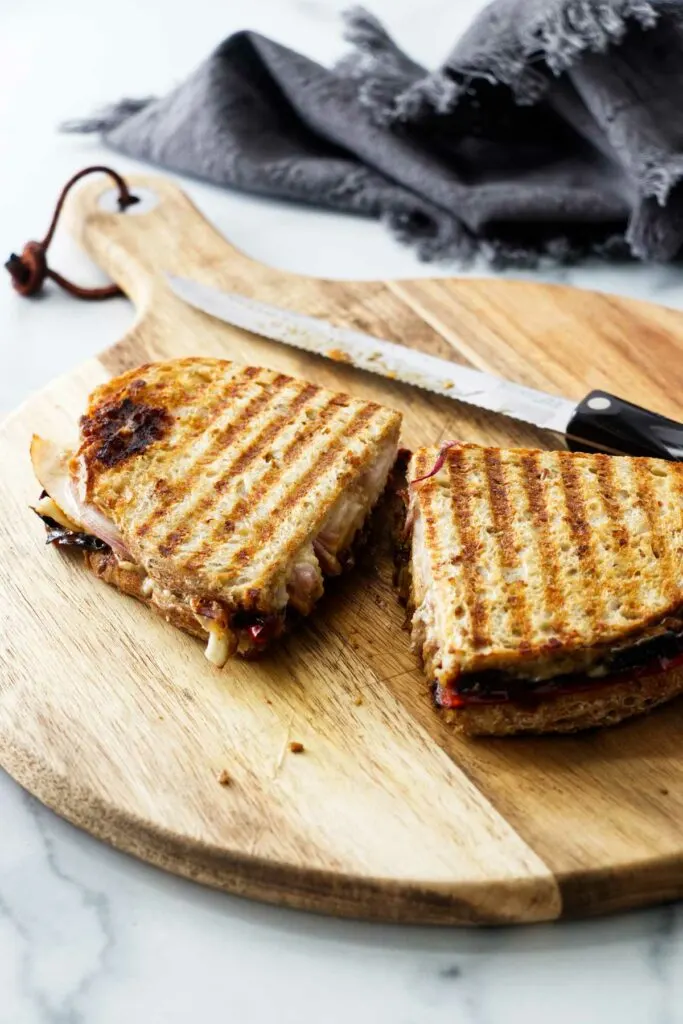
[30, 270]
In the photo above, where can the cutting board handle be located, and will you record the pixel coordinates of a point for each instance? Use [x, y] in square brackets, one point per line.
[138, 246]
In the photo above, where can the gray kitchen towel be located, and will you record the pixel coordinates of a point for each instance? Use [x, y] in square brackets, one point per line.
[554, 128]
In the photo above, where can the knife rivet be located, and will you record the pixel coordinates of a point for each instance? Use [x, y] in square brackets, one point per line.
[598, 403]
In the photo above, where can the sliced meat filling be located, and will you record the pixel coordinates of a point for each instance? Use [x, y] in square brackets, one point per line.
[51, 466]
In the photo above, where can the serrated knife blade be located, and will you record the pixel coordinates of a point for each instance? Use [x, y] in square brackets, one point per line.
[365, 352]
[600, 422]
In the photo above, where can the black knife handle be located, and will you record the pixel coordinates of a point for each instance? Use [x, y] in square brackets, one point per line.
[603, 422]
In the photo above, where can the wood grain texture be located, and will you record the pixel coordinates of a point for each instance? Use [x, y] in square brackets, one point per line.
[118, 722]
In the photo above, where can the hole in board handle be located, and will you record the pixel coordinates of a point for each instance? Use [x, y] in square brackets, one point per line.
[147, 200]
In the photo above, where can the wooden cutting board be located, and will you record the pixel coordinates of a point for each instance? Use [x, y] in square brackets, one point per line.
[117, 721]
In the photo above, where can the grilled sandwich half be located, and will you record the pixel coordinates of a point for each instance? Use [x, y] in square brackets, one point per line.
[219, 494]
[545, 589]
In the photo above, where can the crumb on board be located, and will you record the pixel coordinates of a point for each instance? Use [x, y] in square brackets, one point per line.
[338, 355]
[224, 778]
[268, 700]
[358, 700]
[296, 747]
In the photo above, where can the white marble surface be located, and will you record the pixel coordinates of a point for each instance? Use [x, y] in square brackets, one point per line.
[87, 935]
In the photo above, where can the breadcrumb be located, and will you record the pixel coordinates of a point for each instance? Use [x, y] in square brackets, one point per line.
[224, 778]
[296, 747]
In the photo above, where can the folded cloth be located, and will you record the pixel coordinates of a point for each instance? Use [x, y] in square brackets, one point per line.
[553, 129]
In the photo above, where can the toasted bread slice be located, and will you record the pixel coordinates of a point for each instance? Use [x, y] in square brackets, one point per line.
[231, 489]
[545, 588]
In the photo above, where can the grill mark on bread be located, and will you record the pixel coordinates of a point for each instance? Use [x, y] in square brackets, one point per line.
[226, 394]
[549, 557]
[173, 493]
[661, 550]
[158, 391]
[581, 534]
[621, 538]
[675, 489]
[422, 465]
[506, 541]
[270, 434]
[266, 436]
[190, 396]
[293, 497]
[243, 505]
[230, 431]
[354, 426]
[457, 466]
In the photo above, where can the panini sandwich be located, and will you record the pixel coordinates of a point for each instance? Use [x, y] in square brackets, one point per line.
[545, 589]
[218, 494]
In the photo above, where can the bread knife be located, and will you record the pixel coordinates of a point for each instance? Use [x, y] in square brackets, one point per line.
[599, 422]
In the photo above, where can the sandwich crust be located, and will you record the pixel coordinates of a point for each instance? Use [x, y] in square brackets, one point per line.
[130, 580]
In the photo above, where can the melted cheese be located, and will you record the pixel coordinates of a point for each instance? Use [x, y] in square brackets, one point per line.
[217, 648]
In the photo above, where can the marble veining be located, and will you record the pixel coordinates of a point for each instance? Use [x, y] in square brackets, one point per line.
[54, 974]
[89, 935]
